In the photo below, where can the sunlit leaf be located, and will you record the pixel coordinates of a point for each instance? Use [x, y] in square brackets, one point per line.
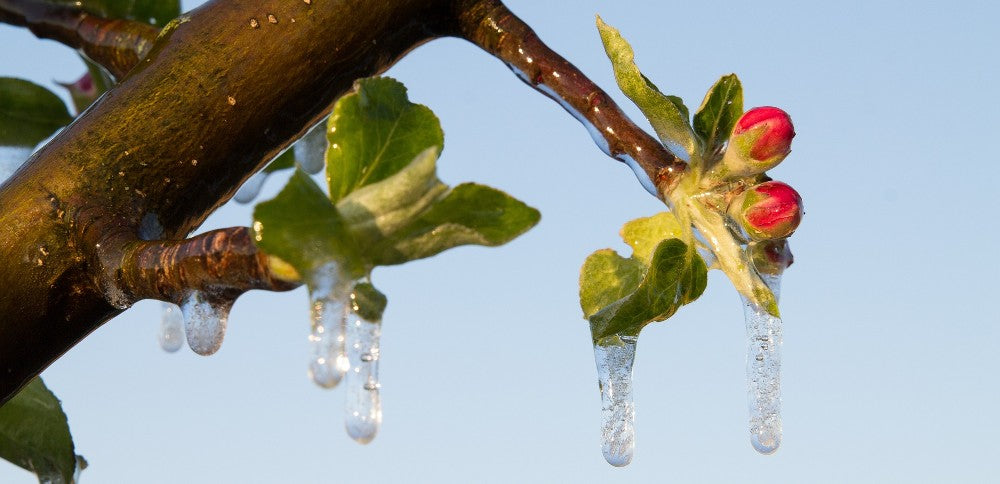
[34, 434]
[718, 113]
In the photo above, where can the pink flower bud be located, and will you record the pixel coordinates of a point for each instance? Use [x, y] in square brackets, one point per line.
[83, 92]
[771, 210]
[760, 140]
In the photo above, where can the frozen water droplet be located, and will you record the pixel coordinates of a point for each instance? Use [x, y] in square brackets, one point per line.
[614, 376]
[363, 407]
[764, 373]
[251, 188]
[171, 328]
[310, 151]
[205, 320]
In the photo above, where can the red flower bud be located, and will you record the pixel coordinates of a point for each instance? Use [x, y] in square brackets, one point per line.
[760, 140]
[770, 256]
[83, 92]
[771, 210]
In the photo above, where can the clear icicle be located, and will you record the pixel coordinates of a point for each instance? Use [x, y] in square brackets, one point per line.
[328, 360]
[614, 375]
[363, 406]
[171, 335]
[251, 188]
[205, 321]
[764, 372]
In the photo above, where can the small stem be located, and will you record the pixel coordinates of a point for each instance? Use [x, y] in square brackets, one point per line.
[494, 28]
[115, 44]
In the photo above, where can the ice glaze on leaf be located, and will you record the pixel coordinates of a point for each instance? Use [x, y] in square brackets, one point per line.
[302, 227]
[621, 295]
[29, 113]
[369, 303]
[676, 276]
[34, 434]
[374, 132]
[718, 113]
[468, 214]
[667, 114]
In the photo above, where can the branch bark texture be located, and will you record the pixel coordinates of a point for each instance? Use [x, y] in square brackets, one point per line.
[96, 219]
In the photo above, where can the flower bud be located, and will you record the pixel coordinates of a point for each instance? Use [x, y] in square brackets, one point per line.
[770, 257]
[771, 210]
[83, 92]
[761, 138]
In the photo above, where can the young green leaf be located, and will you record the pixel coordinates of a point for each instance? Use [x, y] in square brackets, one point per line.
[718, 113]
[667, 114]
[34, 434]
[368, 302]
[676, 276]
[29, 113]
[283, 161]
[302, 227]
[607, 277]
[374, 132]
[468, 214]
[644, 234]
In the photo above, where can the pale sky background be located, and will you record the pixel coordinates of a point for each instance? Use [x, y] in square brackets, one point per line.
[891, 357]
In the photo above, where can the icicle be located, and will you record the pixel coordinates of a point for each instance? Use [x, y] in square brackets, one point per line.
[251, 188]
[327, 296]
[171, 328]
[363, 407]
[205, 321]
[310, 151]
[764, 372]
[614, 375]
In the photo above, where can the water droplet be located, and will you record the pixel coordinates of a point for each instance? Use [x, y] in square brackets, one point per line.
[171, 335]
[363, 406]
[251, 188]
[614, 377]
[764, 373]
[205, 318]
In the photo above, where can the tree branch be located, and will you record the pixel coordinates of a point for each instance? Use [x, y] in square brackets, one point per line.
[115, 44]
[494, 28]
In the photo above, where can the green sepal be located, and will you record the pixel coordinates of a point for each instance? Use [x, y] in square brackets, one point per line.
[369, 303]
[34, 434]
[303, 228]
[718, 113]
[29, 113]
[374, 132]
[667, 114]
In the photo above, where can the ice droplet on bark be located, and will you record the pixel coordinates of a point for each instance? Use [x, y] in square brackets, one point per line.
[614, 376]
[171, 335]
[764, 372]
[363, 406]
[205, 320]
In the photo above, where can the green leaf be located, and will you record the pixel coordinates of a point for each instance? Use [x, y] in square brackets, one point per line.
[29, 113]
[667, 114]
[718, 113]
[368, 302]
[644, 234]
[676, 276]
[607, 277]
[374, 132]
[283, 161]
[156, 12]
[301, 227]
[468, 214]
[34, 434]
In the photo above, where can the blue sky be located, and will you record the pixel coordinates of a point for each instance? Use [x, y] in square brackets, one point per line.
[890, 355]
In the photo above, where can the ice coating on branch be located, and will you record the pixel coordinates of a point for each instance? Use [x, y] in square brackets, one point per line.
[614, 377]
[764, 372]
[205, 319]
[327, 297]
[363, 406]
[171, 335]
[251, 188]
[11, 158]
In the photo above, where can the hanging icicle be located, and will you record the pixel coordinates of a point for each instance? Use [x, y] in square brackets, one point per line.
[327, 297]
[764, 372]
[363, 405]
[205, 320]
[614, 373]
[171, 334]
